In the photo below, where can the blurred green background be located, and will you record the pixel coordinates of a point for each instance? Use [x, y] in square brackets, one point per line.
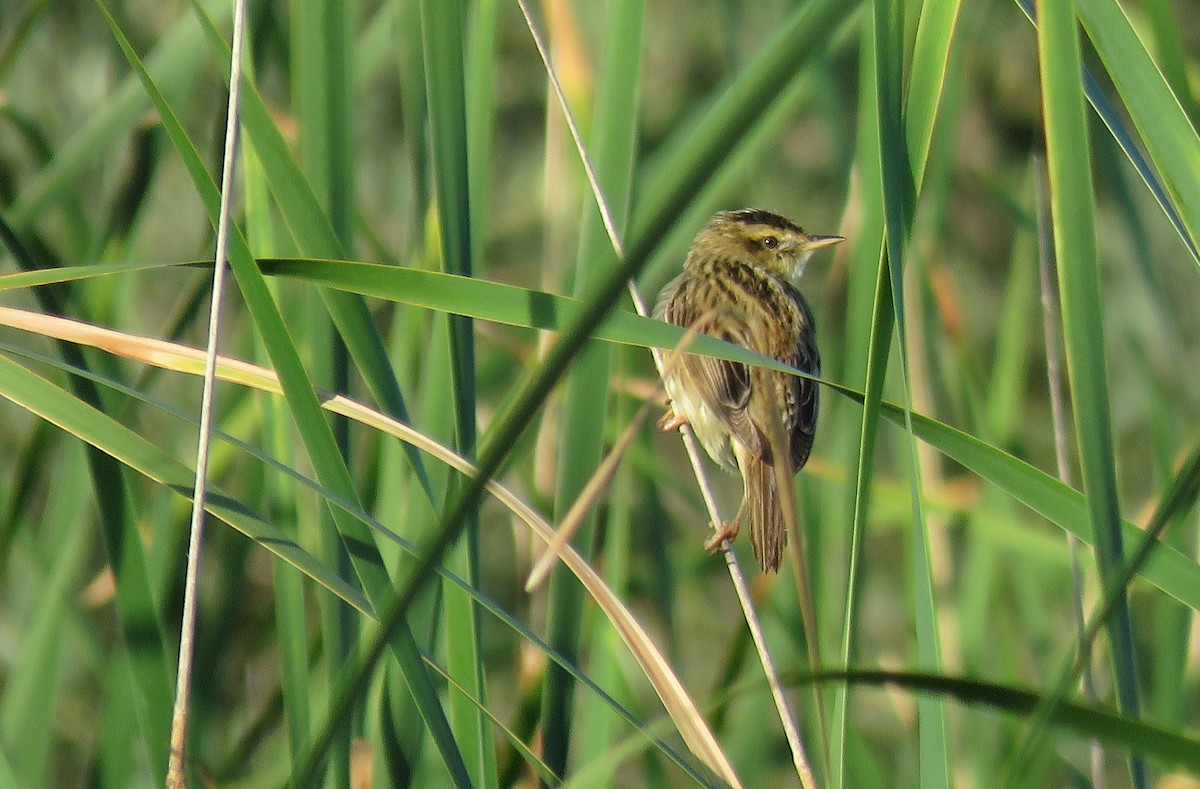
[424, 135]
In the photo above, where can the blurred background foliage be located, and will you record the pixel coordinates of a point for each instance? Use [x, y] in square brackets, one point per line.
[89, 175]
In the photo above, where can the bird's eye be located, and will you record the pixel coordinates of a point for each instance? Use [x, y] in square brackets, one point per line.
[770, 242]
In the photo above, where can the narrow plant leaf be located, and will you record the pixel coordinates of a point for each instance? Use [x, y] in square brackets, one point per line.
[901, 179]
[1083, 313]
[445, 92]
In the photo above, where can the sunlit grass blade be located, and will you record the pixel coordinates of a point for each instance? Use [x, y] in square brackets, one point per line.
[189, 361]
[1168, 45]
[54, 276]
[930, 63]
[186, 360]
[1167, 568]
[532, 308]
[865, 352]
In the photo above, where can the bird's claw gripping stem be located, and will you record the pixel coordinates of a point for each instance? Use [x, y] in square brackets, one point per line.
[671, 421]
[727, 531]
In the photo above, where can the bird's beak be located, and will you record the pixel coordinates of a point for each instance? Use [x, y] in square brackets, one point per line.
[820, 242]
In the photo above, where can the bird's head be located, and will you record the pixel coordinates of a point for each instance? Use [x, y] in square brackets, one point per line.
[763, 238]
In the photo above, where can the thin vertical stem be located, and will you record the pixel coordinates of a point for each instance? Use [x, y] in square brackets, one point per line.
[176, 778]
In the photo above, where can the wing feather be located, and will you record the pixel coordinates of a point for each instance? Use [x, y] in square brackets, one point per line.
[723, 386]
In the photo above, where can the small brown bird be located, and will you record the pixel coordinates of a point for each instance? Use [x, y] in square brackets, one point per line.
[738, 284]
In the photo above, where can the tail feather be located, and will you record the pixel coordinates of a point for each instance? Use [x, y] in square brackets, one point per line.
[763, 512]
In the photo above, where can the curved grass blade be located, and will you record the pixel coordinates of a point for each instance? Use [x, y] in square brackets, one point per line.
[1167, 568]
[188, 360]
[41, 397]
[56, 276]
[518, 306]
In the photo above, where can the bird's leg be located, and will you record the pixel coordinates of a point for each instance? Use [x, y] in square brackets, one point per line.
[671, 421]
[727, 531]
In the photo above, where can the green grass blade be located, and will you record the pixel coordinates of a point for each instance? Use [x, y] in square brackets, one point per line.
[56, 406]
[445, 92]
[37, 679]
[55, 276]
[1171, 58]
[1121, 133]
[931, 60]
[901, 179]
[867, 342]
[1170, 139]
[283, 546]
[1083, 317]
[143, 640]
[321, 43]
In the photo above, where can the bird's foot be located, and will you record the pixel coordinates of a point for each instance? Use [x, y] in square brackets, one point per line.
[727, 531]
[671, 421]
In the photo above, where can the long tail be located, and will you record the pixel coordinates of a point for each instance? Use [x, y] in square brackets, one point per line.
[763, 511]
